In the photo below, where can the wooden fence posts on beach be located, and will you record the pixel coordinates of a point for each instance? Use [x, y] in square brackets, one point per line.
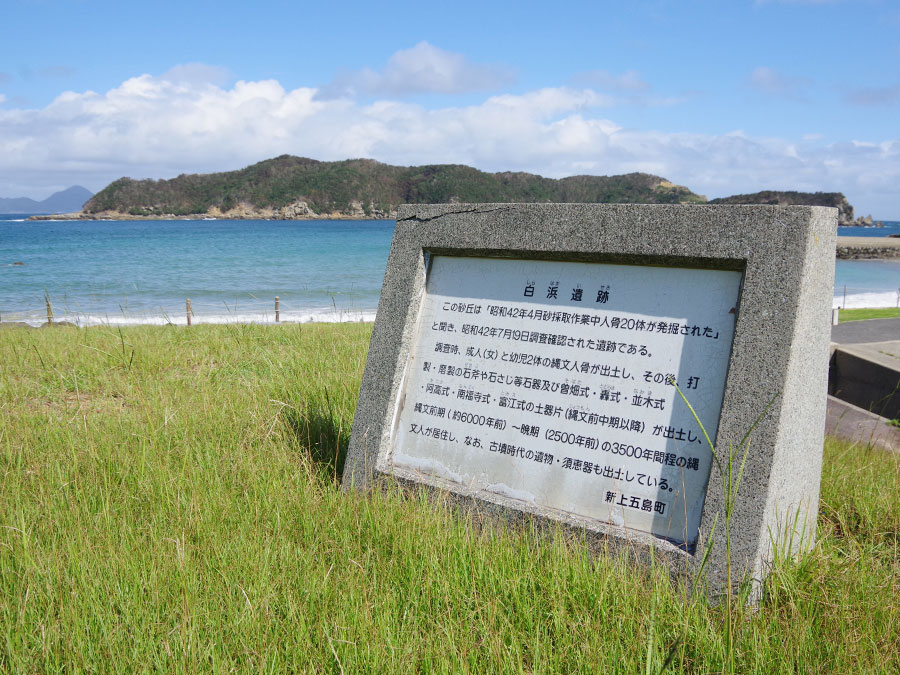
[189, 311]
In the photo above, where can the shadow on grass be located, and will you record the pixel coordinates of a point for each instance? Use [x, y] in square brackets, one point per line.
[325, 437]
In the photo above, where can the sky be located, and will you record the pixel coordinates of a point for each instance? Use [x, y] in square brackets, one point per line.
[722, 96]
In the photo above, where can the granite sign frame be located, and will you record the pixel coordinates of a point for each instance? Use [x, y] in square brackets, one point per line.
[777, 353]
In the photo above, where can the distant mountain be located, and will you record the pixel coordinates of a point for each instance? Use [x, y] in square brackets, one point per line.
[297, 187]
[65, 201]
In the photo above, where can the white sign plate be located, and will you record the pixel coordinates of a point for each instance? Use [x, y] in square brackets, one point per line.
[553, 383]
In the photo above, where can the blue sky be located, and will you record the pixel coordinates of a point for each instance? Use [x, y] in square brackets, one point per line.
[724, 97]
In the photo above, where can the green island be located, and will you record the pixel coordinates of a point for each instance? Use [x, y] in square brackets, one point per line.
[171, 502]
[288, 187]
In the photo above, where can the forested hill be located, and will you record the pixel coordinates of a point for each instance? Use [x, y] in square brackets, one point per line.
[292, 187]
[296, 187]
[790, 198]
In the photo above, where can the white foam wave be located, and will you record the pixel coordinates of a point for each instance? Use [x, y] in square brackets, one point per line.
[85, 319]
[36, 318]
[867, 300]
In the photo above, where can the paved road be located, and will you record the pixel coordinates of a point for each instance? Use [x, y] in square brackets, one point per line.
[860, 332]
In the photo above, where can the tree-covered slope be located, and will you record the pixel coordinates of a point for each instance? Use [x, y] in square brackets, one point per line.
[373, 187]
[792, 198]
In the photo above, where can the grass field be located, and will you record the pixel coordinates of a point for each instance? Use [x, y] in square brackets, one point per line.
[863, 314]
[168, 502]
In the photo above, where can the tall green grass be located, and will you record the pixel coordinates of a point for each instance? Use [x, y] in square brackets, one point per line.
[169, 502]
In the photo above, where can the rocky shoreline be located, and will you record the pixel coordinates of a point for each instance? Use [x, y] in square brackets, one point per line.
[862, 221]
[298, 210]
[215, 214]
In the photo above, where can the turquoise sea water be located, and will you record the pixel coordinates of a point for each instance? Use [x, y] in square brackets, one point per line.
[142, 271]
[868, 283]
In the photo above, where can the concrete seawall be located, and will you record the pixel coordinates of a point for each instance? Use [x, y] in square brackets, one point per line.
[862, 248]
[864, 383]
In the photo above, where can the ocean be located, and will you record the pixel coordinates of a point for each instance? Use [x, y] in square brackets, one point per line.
[124, 272]
[131, 272]
[867, 283]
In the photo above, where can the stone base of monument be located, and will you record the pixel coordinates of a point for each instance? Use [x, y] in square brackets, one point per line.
[589, 366]
[857, 425]
[868, 376]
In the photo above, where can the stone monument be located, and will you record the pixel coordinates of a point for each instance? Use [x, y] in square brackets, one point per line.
[533, 361]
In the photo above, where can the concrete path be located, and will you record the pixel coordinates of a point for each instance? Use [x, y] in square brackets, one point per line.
[867, 248]
[873, 330]
[863, 242]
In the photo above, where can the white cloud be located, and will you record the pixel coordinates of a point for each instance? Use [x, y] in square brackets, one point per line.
[774, 83]
[162, 126]
[420, 69]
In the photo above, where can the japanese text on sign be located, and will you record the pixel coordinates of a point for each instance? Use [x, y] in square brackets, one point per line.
[554, 383]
